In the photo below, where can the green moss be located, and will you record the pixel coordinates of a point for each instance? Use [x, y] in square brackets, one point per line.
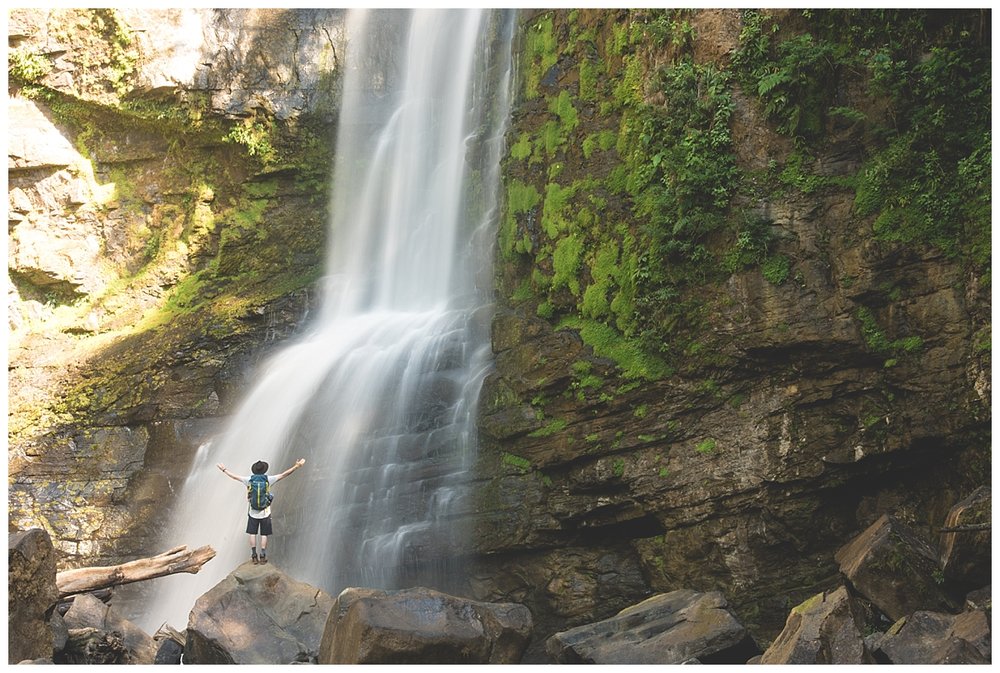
[554, 218]
[706, 446]
[776, 269]
[551, 428]
[633, 361]
[618, 468]
[562, 107]
[566, 263]
[925, 180]
[877, 341]
[26, 66]
[255, 137]
[521, 150]
[590, 73]
[541, 53]
[517, 462]
[521, 198]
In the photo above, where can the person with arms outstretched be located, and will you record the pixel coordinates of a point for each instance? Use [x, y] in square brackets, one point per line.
[259, 500]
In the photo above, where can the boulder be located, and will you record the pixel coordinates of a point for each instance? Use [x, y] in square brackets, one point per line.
[31, 592]
[937, 638]
[894, 569]
[966, 555]
[94, 646]
[369, 626]
[826, 629]
[104, 625]
[257, 615]
[169, 645]
[672, 628]
[980, 599]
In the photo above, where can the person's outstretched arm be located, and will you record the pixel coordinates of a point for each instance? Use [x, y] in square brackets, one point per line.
[228, 473]
[298, 463]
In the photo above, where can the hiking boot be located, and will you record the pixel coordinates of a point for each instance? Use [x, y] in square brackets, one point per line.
[263, 558]
[253, 557]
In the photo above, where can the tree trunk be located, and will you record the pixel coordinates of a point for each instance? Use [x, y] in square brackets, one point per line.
[177, 560]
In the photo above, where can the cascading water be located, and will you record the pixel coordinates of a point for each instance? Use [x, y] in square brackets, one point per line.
[379, 397]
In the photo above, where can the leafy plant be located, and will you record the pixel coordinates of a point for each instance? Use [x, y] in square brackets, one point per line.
[26, 66]
[255, 137]
[706, 446]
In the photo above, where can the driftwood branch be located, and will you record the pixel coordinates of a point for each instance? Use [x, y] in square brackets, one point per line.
[177, 560]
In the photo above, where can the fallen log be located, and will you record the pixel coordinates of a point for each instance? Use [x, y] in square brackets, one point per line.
[177, 560]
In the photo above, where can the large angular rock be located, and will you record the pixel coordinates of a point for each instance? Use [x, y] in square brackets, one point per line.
[670, 628]
[966, 555]
[422, 626]
[257, 615]
[937, 638]
[31, 591]
[894, 569]
[103, 624]
[826, 629]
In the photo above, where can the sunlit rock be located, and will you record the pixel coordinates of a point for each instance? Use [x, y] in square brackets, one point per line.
[31, 591]
[826, 629]
[257, 615]
[422, 626]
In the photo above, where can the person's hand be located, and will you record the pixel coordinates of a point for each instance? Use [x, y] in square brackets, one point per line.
[300, 462]
[221, 467]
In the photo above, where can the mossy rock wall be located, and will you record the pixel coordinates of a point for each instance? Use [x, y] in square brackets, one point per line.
[718, 359]
[168, 225]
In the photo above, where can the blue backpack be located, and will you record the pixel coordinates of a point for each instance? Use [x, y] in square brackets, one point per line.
[259, 492]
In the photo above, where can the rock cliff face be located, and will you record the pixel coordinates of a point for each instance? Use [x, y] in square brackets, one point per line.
[726, 340]
[167, 181]
[791, 400]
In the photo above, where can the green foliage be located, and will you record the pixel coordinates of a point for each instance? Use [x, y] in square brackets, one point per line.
[706, 446]
[631, 358]
[590, 73]
[618, 468]
[794, 78]
[27, 67]
[554, 216]
[927, 180]
[776, 269]
[877, 341]
[605, 272]
[521, 198]
[754, 238]
[678, 168]
[541, 53]
[255, 137]
[521, 150]
[566, 263]
[551, 428]
[517, 462]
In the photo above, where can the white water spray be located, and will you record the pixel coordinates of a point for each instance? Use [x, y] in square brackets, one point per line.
[379, 397]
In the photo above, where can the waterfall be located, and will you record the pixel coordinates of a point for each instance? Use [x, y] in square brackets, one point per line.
[379, 394]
